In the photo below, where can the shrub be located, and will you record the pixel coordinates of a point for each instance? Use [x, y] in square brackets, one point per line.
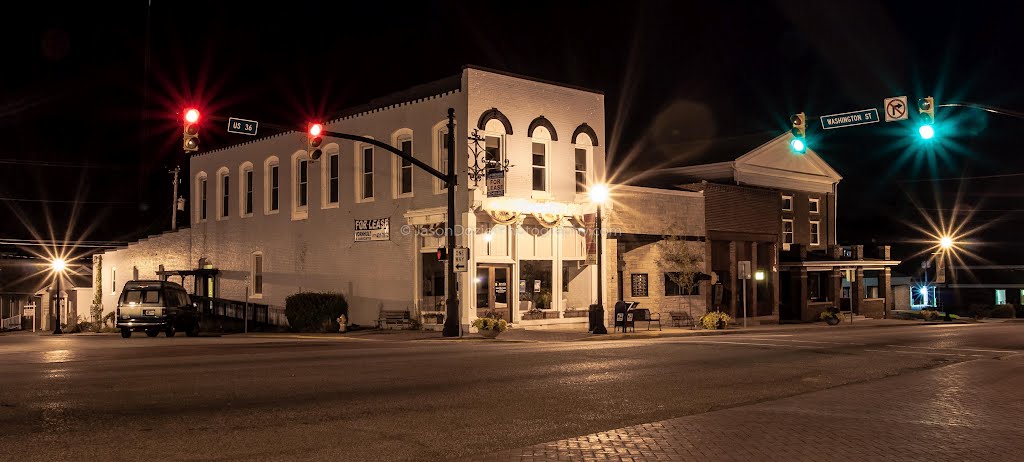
[831, 313]
[497, 324]
[1003, 311]
[315, 311]
[929, 315]
[711, 319]
[977, 310]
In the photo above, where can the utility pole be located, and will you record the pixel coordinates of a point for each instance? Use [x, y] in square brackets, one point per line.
[174, 199]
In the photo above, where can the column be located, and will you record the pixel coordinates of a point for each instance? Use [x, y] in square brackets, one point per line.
[857, 290]
[773, 273]
[835, 288]
[752, 290]
[885, 290]
[798, 296]
[733, 287]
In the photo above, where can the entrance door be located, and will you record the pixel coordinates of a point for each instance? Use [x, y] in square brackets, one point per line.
[492, 290]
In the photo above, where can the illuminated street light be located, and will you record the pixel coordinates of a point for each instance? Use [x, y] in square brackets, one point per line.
[58, 265]
[945, 242]
[598, 195]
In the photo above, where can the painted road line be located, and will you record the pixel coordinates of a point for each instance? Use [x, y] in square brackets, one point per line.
[957, 349]
[806, 341]
[927, 353]
[719, 342]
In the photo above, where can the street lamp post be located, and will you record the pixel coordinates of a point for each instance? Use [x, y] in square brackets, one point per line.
[598, 195]
[58, 272]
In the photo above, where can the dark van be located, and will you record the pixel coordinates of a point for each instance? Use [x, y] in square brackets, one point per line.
[154, 307]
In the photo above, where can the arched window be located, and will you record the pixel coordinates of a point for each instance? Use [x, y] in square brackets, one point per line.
[540, 143]
[494, 114]
[587, 130]
[300, 185]
[246, 189]
[583, 154]
[223, 193]
[330, 177]
[542, 122]
[364, 172]
[271, 185]
[494, 141]
[401, 169]
[201, 192]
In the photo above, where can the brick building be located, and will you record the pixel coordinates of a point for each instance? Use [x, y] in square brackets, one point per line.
[268, 221]
[777, 210]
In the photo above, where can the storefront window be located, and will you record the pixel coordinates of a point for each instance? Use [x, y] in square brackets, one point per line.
[535, 283]
[576, 282]
[432, 285]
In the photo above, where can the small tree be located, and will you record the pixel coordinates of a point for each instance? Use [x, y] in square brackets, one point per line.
[96, 310]
[681, 264]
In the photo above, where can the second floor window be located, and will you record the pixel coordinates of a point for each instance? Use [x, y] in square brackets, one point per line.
[492, 147]
[813, 205]
[275, 184]
[367, 173]
[226, 195]
[302, 192]
[787, 231]
[248, 192]
[443, 166]
[332, 178]
[405, 170]
[815, 234]
[787, 203]
[202, 200]
[540, 166]
[581, 170]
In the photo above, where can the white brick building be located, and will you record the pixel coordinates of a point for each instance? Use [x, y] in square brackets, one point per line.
[270, 220]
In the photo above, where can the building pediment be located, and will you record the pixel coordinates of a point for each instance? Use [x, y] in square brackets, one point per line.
[775, 165]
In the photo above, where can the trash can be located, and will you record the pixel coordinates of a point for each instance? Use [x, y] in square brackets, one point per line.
[596, 316]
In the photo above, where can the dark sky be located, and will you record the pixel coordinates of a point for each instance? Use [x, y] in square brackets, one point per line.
[89, 95]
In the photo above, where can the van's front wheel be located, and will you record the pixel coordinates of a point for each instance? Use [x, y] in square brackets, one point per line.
[125, 333]
[152, 333]
[170, 330]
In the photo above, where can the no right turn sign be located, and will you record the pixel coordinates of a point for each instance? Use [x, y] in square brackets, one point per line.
[895, 108]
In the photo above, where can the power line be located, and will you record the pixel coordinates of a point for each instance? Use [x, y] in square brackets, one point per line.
[986, 108]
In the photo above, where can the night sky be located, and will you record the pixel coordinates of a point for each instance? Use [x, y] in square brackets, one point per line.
[89, 95]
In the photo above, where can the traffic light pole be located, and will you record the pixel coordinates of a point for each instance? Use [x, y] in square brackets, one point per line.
[451, 319]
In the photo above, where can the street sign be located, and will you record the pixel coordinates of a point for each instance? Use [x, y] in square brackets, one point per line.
[461, 259]
[849, 119]
[895, 108]
[242, 126]
[744, 269]
[495, 183]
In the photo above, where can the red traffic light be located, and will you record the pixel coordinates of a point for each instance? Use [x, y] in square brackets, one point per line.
[316, 129]
[191, 116]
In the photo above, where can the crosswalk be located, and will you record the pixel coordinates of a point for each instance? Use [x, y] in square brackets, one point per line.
[784, 342]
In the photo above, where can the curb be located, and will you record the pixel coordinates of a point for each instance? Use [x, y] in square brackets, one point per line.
[733, 331]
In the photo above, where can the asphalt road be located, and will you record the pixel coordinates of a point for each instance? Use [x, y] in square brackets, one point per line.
[100, 397]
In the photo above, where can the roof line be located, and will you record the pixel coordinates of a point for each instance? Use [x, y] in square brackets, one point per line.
[533, 79]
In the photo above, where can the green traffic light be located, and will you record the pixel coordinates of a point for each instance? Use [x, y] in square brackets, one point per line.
[798, 145]
[926, 131]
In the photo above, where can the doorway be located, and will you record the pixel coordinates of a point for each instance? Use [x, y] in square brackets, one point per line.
[492, 290]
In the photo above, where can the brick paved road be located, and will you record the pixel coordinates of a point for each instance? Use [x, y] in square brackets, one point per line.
[964, 411]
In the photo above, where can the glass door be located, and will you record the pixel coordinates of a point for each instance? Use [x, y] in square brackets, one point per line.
[492, 290]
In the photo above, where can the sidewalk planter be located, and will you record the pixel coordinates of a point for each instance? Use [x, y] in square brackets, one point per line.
[715, 320]
[490, 325]
[831, 317]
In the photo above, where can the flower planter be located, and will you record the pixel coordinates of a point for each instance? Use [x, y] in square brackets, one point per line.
[832, 320]
[489, 333]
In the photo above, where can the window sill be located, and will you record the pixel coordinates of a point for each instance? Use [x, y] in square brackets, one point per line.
[255, 296]
[404, 196]
[330, 205]
[223, 219]
[248, 215]
[300, 215]
[540, 195]
[363, 201]
[271, 212]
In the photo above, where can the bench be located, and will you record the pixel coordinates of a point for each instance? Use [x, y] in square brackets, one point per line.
[394, 318]
[681, 318]
[643, 314]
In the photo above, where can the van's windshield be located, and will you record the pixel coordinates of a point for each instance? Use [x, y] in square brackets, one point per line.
[140, 296]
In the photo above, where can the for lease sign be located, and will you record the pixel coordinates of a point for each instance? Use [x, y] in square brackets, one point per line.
[378, 229]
